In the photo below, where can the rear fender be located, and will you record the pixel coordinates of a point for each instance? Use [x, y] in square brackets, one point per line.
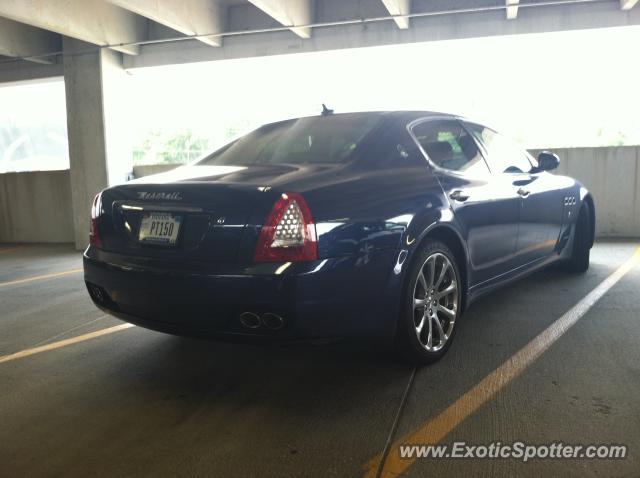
[417, 233]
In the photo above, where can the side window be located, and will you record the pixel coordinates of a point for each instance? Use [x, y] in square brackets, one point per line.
[449, 146]
[503, 155]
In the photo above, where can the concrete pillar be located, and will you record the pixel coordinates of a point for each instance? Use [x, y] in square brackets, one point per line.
[99, 151]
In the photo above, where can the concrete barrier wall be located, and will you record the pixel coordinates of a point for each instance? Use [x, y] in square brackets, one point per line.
[36, 207]
[612, 174]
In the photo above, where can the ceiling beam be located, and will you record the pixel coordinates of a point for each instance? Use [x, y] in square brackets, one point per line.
[399, 7]
[24, 41]
[191, 17]
[512, 9]
[289, 13]
[93, 21]
[627, 4]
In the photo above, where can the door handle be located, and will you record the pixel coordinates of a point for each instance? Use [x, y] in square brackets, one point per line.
[523, 192]
[524, 182]
[459, 196]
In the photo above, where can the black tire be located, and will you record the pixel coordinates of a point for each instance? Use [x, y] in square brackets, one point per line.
[407, 344]
[579, 260]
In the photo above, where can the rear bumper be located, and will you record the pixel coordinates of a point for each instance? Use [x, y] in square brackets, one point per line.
[320, 299]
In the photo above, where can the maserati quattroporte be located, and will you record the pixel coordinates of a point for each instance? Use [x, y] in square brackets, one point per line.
[380, 225]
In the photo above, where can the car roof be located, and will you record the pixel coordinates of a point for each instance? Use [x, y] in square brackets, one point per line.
[398, 114]
[408, 114]
[405, 116]
[411, 115]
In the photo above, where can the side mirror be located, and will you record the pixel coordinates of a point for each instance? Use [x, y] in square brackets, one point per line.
[547, 161]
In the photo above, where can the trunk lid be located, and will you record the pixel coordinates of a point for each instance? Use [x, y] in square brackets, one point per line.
[212, 218]
[221, 208]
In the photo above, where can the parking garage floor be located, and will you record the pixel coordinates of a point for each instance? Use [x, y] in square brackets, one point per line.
[132, 402]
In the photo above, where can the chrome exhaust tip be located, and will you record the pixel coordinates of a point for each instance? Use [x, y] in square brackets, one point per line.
[250, 320]
[272, 321]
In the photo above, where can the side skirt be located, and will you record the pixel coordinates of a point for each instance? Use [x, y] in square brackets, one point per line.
[507, 278]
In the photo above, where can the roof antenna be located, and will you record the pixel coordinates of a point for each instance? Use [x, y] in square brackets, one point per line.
[326, 111]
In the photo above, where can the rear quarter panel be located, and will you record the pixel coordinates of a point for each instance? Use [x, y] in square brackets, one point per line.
[375, 221]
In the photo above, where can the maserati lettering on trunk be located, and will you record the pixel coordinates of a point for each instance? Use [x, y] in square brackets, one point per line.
[176, 196]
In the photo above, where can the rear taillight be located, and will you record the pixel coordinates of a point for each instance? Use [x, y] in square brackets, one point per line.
[289, 234]
[94, 236]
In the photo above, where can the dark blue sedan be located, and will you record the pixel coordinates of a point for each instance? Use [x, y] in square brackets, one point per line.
[384, 226]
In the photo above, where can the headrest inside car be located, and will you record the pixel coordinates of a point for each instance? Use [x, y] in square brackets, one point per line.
[439, 151]
[468, 146]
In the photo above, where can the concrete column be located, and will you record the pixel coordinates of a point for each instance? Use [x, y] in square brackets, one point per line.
[99, 152]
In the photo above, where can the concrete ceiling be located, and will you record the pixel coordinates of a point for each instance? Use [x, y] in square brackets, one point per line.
[152, 32]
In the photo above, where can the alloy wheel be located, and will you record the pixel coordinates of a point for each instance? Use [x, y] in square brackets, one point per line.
[435, 302]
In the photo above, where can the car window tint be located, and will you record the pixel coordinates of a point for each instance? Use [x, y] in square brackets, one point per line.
[503, 154]
[319, 139]
[449, 146]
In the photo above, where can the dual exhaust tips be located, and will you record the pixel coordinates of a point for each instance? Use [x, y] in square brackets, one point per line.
[269, 320]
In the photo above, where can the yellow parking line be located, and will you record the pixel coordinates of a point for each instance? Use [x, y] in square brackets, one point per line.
[68, 331]
[63, 343]
[45, 276]
[9, 249]
[442, 424]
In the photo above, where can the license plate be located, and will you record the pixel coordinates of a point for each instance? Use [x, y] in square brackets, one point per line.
[159, 228]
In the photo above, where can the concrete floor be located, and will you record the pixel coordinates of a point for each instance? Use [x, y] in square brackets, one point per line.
[139, 403]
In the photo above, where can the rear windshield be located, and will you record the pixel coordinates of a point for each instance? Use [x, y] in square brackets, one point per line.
[319, 139]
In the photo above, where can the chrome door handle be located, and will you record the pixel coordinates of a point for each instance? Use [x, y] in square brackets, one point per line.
[523, 192]
[459, 196]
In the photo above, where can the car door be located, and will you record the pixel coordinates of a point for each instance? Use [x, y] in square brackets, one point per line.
[541, 194]
[486, 210]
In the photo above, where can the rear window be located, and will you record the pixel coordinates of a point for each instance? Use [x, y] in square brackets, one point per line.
[319, 139]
